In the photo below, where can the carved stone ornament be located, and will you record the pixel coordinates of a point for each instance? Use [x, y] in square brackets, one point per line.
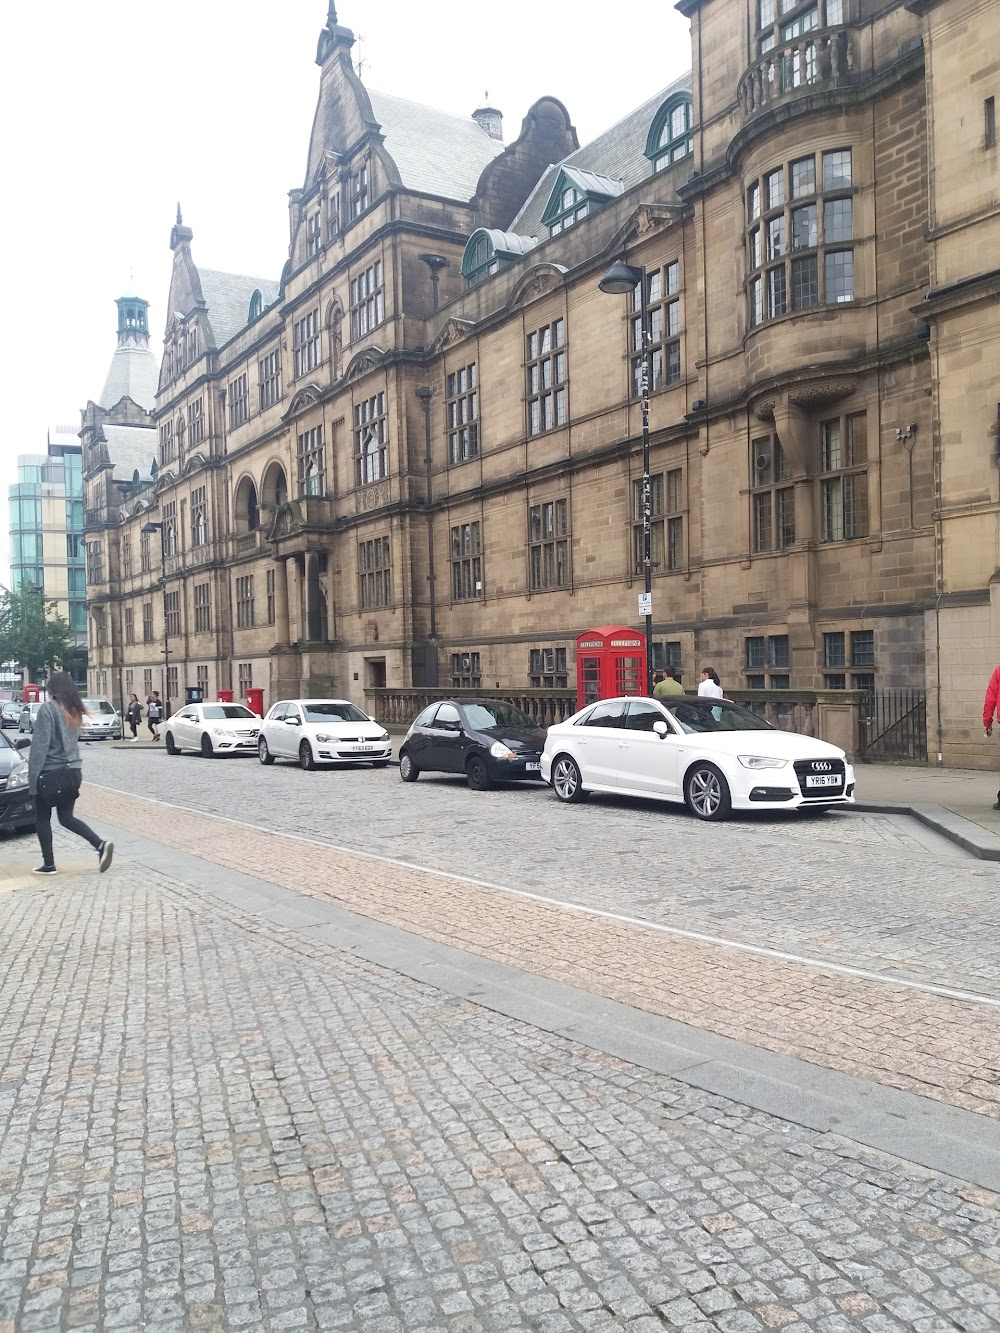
[454, 331]
[368, 360]
[371, 497]
[305, 397]
[763, 409]
[821, 392]
[546, 278]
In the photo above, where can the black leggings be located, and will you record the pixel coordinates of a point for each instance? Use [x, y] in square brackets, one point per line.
[153, 724]
[43, 826]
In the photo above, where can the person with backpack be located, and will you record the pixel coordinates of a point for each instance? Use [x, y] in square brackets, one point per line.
[154, 714]
[55, 771]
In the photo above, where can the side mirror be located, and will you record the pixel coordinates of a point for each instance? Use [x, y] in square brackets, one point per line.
[22, 742]
[292, 722]
[661, 729]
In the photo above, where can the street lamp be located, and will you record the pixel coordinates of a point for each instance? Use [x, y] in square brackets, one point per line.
[147, 528]
[622, 279]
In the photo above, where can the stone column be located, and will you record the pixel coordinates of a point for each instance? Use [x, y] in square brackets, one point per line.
[281, 604]
[314, 630]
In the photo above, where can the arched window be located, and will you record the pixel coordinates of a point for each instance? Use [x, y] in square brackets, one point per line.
[670, 137]
[480, 259]
[256, 307]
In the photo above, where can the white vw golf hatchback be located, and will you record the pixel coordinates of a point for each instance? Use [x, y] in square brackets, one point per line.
[322, 731]
[711, 754]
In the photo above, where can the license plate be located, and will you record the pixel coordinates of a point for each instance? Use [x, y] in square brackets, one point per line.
[532, 768]
[363, 749]
[823, 780]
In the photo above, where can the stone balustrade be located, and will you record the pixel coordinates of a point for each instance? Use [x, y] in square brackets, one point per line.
[826, 57]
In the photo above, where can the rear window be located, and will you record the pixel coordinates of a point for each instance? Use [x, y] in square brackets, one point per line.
[219, 712]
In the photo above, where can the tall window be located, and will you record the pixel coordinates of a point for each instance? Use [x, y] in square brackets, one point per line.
[799, 251]
[202, 608]
[844, 480]
[270, 596]
[861, 660]
[670, 137]
[777, 23]
[169, 530]
[171, 682]
[239, 401]
[196, 422]
[147, 625]
[95, 563]
[171, 614]
[371, 452]
[367, 301]
[664, 313]
[129, 625]
[201, 680]
[545, 373]
[359, 191]
[375, 574]
[147, 680]
[144, 556]
[199, 517]
[332, 216]
[462, 410]
[547, 668]
[126, 552]
[244, 678]
[311, 461]
[244, 601]
[466, 671]
[269, 379]
[305, 343]
[773, 502]
[666, 526]
[768, 662]
[166, 442]
[314, 233]
[548, 545]
[466, 562]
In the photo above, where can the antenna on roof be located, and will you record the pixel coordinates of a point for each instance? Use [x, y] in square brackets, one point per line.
[362, 63]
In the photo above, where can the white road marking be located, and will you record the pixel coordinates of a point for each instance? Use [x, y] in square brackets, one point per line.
[580, 909]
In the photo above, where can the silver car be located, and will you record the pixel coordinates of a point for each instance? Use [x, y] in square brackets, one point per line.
[101, 722]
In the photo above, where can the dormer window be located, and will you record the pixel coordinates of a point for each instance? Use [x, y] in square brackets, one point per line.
[256, 306]
[488, 251]
[670, 137]
[577, 193]
[359, 191]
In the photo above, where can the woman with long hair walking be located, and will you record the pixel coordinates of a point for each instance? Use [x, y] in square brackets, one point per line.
[55, 771]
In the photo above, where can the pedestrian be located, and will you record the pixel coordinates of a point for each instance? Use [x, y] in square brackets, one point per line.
[990, 709]
[55, 771]
[133, 715]
[154, 714]
[670, 685]
[710, 683]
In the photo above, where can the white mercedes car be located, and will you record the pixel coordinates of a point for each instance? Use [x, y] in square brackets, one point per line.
[322, 731]
[711, 754]
[212, 729]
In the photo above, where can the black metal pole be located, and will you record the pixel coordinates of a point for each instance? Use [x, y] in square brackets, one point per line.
[647, 559]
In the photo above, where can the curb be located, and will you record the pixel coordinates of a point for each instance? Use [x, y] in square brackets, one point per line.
[962, 832]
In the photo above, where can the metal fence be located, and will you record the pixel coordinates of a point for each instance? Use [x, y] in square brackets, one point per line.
[893, 726]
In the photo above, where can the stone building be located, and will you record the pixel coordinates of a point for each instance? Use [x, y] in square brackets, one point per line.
[415, 457]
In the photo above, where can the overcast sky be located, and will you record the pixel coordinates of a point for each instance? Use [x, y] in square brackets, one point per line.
[113, 110]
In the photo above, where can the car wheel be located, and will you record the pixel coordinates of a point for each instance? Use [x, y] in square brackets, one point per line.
[168, 742]
[567, 780]
[707, 792]
[380, 763]
[477, 774]
[206, 746]
[306, 756]
[263, 753]
[408, 770]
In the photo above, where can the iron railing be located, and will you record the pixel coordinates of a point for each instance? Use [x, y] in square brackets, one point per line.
[893, 726]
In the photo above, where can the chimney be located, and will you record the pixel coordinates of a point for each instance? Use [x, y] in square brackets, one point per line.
[490, 121]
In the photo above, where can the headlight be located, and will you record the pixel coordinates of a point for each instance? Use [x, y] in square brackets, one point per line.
[761, 761]
[384, 736]
[324, 739]
[226, 732]
[500, 751]
[18, 777]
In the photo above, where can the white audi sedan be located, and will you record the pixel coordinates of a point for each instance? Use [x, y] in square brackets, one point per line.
[711, 754]
[322, 731]
[212, 729]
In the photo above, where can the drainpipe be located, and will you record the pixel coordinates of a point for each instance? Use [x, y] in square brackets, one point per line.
[435, 263]
[425, 394]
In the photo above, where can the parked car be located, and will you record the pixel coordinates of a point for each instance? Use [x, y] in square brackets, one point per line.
[9, 713]
[26, 718]
[711, 754]
[101, 721]
[488, 740]
[213, 728]
[322, 731]
[17, 806]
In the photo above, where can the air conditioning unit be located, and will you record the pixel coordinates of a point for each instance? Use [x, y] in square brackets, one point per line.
[762, 458]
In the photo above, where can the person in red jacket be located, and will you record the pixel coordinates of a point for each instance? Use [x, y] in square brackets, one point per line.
[989, 709]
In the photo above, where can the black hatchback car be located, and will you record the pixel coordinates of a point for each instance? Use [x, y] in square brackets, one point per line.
[487, 740]
[17, 806]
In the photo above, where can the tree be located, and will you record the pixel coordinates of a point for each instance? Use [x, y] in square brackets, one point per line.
[32, 633]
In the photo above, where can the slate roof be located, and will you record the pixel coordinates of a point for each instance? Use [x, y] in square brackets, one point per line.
[131, 449]
[618, 153]
[436, 152]
[227, 296]
[133, 371]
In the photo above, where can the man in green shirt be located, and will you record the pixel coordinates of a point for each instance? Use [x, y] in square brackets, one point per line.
[671, 684]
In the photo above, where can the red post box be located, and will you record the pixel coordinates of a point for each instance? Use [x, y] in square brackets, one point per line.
[255, 700]
[610, 661]
[225, 696]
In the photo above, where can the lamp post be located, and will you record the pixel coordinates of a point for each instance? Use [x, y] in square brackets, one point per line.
[622, 279]
[150, 527]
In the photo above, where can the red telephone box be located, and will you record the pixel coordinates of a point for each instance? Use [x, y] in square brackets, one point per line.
[30, 694]
[610, 661]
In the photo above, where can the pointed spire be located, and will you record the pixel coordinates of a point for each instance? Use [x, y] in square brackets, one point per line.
[180, 234]
[333, 36]
[331, 15]
[180, 220]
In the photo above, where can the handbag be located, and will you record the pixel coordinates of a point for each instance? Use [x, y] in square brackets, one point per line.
[56, 786]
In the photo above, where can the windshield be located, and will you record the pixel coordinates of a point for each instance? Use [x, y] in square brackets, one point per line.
[707, 714]
[97, 706]
[335, 712]
[484, 717]
[217, 712]
[5, 743]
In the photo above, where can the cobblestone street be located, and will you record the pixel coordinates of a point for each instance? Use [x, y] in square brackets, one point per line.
[217, 1116]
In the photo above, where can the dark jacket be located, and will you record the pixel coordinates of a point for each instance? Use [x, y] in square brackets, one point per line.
[54, 744]
[134, 712]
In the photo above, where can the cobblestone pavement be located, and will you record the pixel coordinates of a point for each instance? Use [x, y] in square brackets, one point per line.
[861, 890]
[925, 1043]
[209, 1124]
